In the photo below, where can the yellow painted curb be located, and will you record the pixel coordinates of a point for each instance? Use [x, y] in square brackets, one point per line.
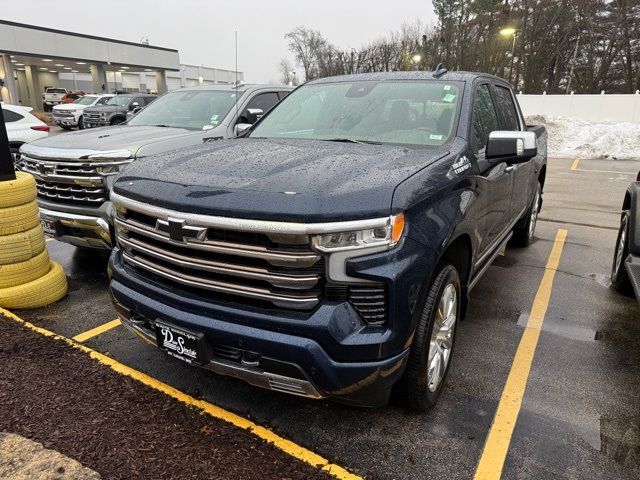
[287, 446]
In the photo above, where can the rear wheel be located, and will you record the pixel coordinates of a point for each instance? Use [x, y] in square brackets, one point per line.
[619, 278]
[524, 230]
[432, 346]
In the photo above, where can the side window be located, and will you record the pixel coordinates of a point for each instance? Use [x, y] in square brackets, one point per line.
[138, 100]
[506, 109]
[10, 116]
[283, 94]
[103, 100]
[148, 100]
[485, 119]
[264, 101]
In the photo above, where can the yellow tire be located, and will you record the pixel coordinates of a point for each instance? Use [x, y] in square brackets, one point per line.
[21, 247]
[38, 293]
[19, 219]
[19, 191]
[15, 274]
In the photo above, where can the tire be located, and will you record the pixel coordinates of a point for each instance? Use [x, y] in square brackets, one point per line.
[80, 123]
[524, 231]
[17, 192]
[116, 121]
[21, 247]
[14, 274]
[619, 277]
[19, 219]
[424, 383]
[38, 293]
[65, 127]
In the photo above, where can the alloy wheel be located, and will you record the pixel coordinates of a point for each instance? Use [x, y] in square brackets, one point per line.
[441, 343]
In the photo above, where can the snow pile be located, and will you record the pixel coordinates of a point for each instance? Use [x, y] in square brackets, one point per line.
[573, 137]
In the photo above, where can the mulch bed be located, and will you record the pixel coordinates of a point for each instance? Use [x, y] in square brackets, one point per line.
[56, 395]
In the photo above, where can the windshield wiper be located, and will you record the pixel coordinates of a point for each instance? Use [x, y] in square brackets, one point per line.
[351, 140]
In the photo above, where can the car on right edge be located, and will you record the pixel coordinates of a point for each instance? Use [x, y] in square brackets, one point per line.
[330, 251]
[625, 272]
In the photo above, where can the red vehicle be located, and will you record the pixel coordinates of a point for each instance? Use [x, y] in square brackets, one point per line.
[72, 97]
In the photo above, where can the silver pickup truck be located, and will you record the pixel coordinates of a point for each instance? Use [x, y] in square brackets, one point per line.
[75, 171]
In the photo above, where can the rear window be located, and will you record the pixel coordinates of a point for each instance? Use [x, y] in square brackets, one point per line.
[10, 116]
[56, 90]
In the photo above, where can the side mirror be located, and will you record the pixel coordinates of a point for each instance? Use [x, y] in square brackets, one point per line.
[511, 147]
[253, 115]
[242, 128]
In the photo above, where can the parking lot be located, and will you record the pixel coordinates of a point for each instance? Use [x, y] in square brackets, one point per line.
[579, 416]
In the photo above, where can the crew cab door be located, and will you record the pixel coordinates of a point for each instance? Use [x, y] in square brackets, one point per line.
[523, 173]
[495, 183]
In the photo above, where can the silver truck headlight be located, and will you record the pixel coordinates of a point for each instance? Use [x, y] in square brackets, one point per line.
[388, 235]
[104, 115]
[339, 247]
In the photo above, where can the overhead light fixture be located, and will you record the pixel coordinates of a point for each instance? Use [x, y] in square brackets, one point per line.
[76, 71]
[43, 68]
[125, 68]
[47, 60]
[20, 64]
[508, 31]
[80, 63]
[53, 71]
[59, 65]
[14, 61]
[68, 68]
[148, 70]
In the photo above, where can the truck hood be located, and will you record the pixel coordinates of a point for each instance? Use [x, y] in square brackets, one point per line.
[287, 180]
[121, 137]
[69, 106]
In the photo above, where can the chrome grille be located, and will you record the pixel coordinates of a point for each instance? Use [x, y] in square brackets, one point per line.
[65, 182]
[91, 117]
[245, 267]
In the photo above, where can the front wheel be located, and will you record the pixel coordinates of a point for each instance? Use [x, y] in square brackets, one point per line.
[117, 121]
[432, 346]
[525, 229]
[619, 278]
[80, 123]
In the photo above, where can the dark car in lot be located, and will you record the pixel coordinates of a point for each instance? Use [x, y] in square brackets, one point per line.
[625, 272]
[115, 110]
[330, 252]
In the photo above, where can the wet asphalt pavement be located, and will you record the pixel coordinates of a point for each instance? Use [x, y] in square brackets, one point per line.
[580, 417]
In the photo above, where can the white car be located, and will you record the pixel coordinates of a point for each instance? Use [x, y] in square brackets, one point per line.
[69, 115]
[52, 96]
[22, 127]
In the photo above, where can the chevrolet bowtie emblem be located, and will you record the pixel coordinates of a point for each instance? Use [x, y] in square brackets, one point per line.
[180, 232]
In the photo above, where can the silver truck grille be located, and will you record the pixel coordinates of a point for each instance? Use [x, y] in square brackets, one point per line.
[74, 183]
[240, 266]
[91, 117]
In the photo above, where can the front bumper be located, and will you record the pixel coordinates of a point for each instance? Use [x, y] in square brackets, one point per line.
[331, 351]
[66, 121]
[88, 231]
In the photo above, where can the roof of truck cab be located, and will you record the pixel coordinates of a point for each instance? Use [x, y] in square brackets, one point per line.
[410, 75]
[229, 87]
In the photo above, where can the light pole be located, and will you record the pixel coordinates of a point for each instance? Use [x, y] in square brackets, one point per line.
[292, 82]
[510, 32]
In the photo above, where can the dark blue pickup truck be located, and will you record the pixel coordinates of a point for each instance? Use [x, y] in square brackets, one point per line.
[330, 252]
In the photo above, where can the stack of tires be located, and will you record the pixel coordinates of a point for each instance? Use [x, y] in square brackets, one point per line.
[28, 278]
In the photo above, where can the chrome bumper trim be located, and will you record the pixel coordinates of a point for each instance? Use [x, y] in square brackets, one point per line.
[84, 223]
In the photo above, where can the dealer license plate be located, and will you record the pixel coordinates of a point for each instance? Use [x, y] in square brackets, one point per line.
[50, 227]
[181, 343]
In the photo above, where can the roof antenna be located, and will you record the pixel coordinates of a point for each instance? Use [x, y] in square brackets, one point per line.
[439, 71]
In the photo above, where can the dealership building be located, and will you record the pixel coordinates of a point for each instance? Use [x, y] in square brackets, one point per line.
[34, 58]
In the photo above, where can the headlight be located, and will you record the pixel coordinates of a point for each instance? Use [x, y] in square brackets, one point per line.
[387, 234]
[104, 115]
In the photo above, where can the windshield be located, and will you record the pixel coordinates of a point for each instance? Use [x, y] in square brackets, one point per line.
[190, 109]
[404, 112]
[119, 100]
[86, 100]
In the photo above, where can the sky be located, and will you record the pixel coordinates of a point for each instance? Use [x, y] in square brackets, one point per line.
[203, 31]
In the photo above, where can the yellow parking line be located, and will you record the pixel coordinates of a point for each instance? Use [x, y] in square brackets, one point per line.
[276, 440]
[94, 332]
[576, 162]
[499, 437]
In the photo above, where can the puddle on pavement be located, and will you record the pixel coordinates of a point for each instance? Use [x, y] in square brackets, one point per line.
[562, 328]
[602, 279]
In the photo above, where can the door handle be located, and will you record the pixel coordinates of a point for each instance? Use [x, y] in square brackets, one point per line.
[509, 168]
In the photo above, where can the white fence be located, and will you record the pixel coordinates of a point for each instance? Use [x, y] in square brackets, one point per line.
[596, 108]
